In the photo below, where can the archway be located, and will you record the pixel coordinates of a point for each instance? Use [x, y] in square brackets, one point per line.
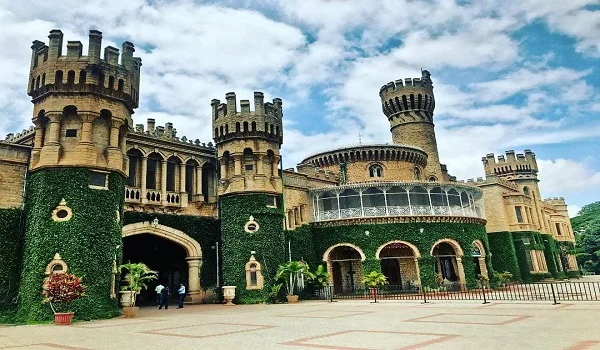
[478, 254]
[176, 256]
[344, 264]
[399, 264]
[448, 260]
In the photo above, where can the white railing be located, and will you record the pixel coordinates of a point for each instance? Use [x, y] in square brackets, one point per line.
[396, 199]
[151, 196]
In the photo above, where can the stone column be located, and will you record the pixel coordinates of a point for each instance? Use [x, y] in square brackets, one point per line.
[461, 270]
[54, 129]
[39, 135]
[86, 128]
[199, 182]
[144, 171]
[183, 197]
[417, 270]
[163, 180]
[274, 167]
[237, 165]
[223, 168]
[114, 154]
[194, 290]
[259, 165]
[482, 266]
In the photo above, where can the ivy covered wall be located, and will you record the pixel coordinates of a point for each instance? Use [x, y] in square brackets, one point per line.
[11, 236]
[379, 234]
[551, 254]
[504, 255]
[268, 242]
[205, 230]
[87, 242]
[535, 243]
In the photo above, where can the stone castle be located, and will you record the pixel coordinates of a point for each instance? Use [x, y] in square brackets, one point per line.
[87, 181]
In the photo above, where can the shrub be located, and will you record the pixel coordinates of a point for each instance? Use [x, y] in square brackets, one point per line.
[61, 290]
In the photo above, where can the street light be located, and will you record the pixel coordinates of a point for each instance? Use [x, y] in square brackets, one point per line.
[155, 222]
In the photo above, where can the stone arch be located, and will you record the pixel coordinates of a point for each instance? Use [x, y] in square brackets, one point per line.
[477, 243]
[457, 248]
[191, 246]
[410, 245]
[326, 254]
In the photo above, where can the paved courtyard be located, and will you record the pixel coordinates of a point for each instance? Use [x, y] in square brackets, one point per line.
[350, 325]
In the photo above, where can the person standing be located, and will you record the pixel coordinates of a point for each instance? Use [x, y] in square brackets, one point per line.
[181, 295]
[158, 291]
[164, 298]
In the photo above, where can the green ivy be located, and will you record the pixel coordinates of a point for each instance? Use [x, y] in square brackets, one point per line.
[551, 252]
[268, 242]
[87, 242]
[205, 230]
[11, 236]
[379, 234]
[504, 256]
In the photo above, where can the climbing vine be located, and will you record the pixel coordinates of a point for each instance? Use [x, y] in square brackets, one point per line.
[11, 236]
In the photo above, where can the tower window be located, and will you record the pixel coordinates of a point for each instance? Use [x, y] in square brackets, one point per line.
[375, 171]
[432, 179]
[272, 202]
[526, 190]
[519, 214]
[248, 167]
[417, 173]
[71, 133]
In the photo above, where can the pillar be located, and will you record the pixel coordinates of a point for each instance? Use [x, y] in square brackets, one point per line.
[39, 135]
[461, 270]
[54, 129]
[115, 124]
[163, 180]
[86, 128]
[183, 198]
[483, 266]
[417, 270]
[274, 167]
[199, 182]
[144, 171]
[237, 165]
[194, 291]
[223, 168]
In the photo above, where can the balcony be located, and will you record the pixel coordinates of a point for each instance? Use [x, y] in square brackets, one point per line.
[152, 197]
[381, 199]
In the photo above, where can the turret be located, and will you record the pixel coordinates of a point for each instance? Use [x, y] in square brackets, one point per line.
[511, 165]
[409, 104]
[248, 143]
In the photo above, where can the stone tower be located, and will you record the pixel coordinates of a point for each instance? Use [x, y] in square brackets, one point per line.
[82, 112]
[250, 190]
[520, 169]
[409, 107]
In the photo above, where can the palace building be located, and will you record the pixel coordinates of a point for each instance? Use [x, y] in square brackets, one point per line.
[89, 186]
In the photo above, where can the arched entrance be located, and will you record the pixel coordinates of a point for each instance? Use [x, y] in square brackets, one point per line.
[448, 260]
[478, 254]
[399, 264]
[344, 264]
[174, 254]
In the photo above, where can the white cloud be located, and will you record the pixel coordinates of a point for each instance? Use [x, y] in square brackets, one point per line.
[565, 175]
[573, 210]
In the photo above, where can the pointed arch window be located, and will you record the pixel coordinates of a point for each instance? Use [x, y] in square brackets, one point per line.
[376, 170]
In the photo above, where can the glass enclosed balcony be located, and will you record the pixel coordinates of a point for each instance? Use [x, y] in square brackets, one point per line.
[374, 199]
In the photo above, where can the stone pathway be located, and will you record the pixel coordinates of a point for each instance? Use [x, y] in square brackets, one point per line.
[349, 325]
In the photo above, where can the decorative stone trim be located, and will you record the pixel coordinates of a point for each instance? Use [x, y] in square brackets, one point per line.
[251, 226]
[56, 265]
[254, 267]
[355, 247]
[191, 246]
[62, 212]
[400, 219]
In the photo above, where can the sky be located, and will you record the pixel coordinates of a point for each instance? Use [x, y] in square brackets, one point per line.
[520, 74]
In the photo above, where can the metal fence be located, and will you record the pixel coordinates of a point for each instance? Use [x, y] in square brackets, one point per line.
[555, 292]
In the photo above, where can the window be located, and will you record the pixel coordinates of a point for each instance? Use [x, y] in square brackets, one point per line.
[375, 171]
[171, 176]
[272, 202]
[71, 133]
[98, 180]
[417, 173]
[253, 277]
[558, 231]
[248, 167]
[519, 215]
[131, 179]
[526, 190]
[432, 179]
[151, 174]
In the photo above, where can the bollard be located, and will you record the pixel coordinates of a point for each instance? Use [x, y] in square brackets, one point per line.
[553, 294]
[331, 294]
[424, 296]
[483, 292]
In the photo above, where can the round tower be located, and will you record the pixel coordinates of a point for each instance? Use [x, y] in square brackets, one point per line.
[82, 112]
[250, 191]
[409, 107]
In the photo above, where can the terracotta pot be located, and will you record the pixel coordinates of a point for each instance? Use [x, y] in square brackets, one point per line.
[229, 295]
[292, 299]
[130, 311]
[63, 318]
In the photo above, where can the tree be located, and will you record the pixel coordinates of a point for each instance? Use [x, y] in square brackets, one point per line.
[586, 226]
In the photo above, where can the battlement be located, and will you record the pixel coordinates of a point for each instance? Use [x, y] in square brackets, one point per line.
[554, 201]
[408, 95]
[167, 132]
[511, 164]
[492, 180]
[20, 136]
[52, 72]
[265, 121]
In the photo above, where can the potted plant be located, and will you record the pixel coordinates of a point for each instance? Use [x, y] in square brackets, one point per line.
[374, 280]
[289, 273]
[503, 278]
[274, 293]
[60, 291]
[137, 277]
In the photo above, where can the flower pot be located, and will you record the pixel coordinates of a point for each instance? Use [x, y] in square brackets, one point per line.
[292, 299]
[63, 318]
[127, 298]
[130, 311]
[229, 295]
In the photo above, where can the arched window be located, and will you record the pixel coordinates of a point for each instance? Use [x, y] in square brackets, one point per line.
[44, 79]
[254, 278]
[253, 126]
[526, 190]
[101, 79]
[82, 76]
[432, 179]
[375, 170]
[245, 126]
[121, 84]
[58, 77]
[37, 82]
[71, 77]
[237, 127]
[111, 82]
[417, 173]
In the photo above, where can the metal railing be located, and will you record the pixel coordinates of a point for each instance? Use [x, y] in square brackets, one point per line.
[555, 292]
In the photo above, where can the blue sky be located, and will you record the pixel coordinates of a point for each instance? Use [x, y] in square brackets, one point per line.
[507, 74]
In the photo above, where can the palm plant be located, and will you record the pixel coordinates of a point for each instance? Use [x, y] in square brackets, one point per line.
[138, 275]
[320, 277]
[375, 279]
[289, 273]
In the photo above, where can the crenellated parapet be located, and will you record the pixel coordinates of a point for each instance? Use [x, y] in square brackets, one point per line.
[169, 133]
[52, 71]
[408, 100]
[265, 121]
[512, 164]
[556, 201]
